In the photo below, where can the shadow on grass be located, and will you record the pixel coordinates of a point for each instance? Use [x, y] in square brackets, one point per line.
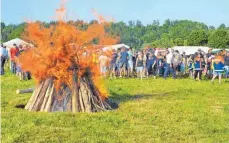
[117, 98]
[22, 106]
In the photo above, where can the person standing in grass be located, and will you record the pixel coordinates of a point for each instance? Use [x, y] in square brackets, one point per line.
[134, 62]
[169, 64]
[226, 64]
[13, 52]
[209, 70]
[208, 61]
[130, 62]
[19, 70]
[21, 73]
[103, 64]
[140, 65]
[182, 68]
[145, 57]
[113, 64]
[154, 66]
[123, 61]
[184, 61]
[160, 62]
[118, 62]
[198, 67]
[177, 62]
[190, 67]
[4, 57]
[218, 67]
[151, 65]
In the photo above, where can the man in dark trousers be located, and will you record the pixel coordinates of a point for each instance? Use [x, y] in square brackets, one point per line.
[4, 56]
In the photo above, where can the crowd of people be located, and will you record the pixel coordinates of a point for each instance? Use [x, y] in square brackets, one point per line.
[143, 63]
[151, 62]
[11, 58]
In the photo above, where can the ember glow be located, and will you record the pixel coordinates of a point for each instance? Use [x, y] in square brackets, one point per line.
[63, 45]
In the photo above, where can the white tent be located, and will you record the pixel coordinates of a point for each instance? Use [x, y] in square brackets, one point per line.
[115, 47]
[190, 49]
[16, 41]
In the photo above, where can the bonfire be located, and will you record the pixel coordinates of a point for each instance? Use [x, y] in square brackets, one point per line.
[62, 65]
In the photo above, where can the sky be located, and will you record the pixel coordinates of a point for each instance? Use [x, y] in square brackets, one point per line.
[210, 12]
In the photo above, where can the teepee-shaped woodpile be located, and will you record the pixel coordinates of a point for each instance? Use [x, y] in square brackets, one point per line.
[82, 98]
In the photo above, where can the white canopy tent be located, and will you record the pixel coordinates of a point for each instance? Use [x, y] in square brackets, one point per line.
[190, 49]
[16, 41]
[115, 47]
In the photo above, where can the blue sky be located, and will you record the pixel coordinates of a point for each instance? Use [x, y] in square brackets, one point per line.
[211, 12]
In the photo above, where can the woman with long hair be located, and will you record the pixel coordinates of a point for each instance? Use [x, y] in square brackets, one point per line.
[198, 67]
[140, 65]
[218, 67]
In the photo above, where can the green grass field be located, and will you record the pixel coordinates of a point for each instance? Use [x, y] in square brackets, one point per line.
[171, 111]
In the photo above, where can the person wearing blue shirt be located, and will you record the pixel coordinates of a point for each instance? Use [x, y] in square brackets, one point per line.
[198, 67]
[218, 68]
[151, 65]
[4, 56]
[123, 61]
[130, 62]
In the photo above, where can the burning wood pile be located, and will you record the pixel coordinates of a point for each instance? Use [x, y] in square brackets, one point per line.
[67, 79]
[82, 98]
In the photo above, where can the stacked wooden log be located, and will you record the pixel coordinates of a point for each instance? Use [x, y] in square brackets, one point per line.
[82, 97]
[21, 91]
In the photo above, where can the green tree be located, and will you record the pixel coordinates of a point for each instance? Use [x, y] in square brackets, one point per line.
[135, 34]
[222, 26]
[185, 42]
[219, 39]
[17, 31]
[2, 27]
[179, 42]
[197, 38]
[6, 32]
[211, 27]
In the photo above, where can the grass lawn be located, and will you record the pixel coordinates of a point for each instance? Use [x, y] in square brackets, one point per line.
[149, 111]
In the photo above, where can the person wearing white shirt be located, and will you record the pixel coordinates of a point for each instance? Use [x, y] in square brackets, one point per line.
[169, 65]
[4, 56]
[169, 58]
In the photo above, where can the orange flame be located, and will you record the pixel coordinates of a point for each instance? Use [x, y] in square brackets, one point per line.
[62, 45]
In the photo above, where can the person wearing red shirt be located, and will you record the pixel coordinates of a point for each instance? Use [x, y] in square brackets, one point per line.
[13, 54]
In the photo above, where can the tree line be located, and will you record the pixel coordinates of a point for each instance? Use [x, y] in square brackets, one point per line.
[135, 34]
